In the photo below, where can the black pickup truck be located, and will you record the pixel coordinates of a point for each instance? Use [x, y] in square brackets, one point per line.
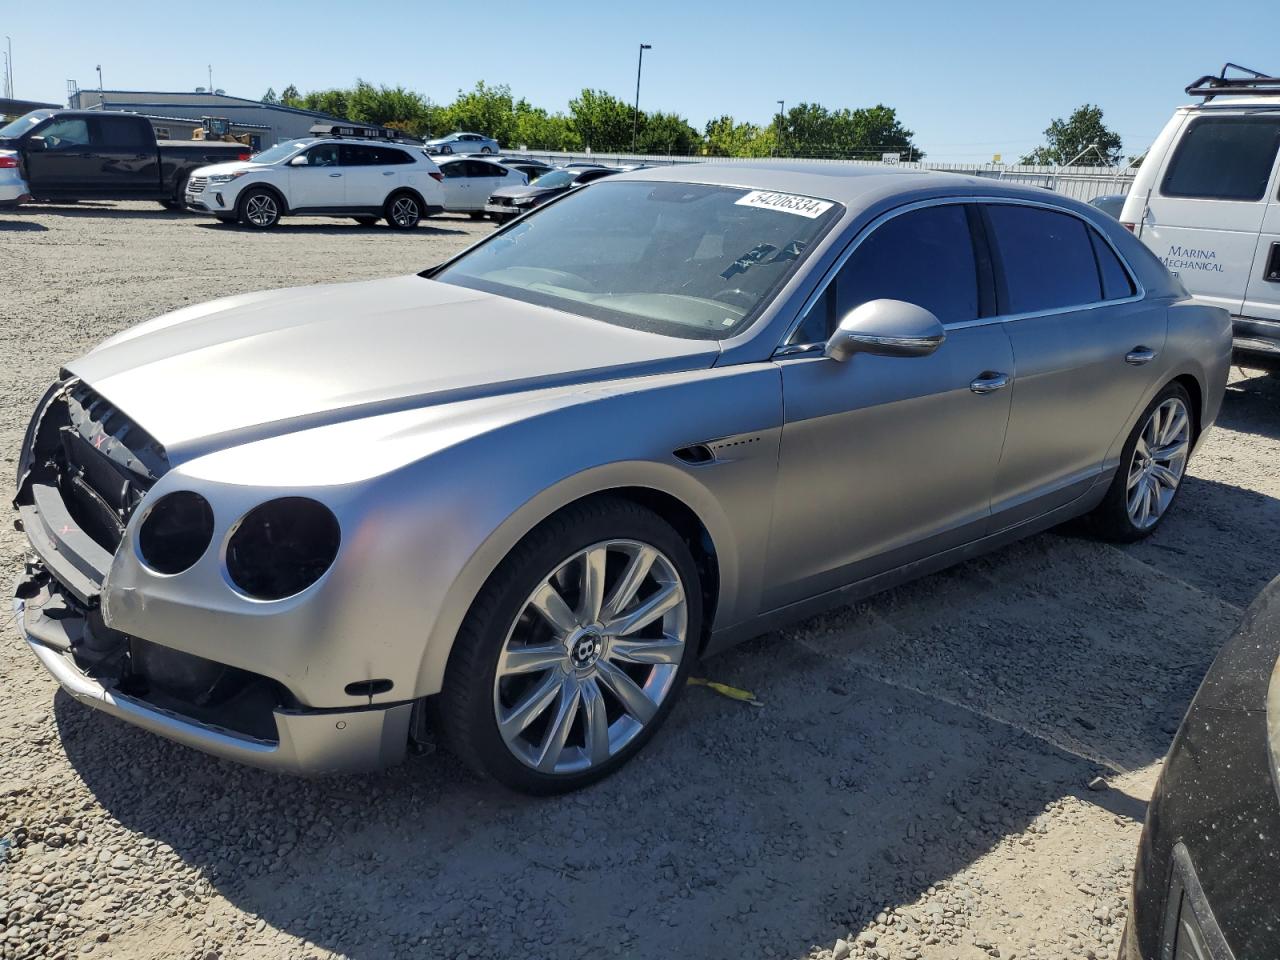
[100, 155]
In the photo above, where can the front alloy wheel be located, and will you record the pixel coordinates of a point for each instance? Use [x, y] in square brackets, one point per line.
[260, 209]
[591, 657]
[575, 650]
[1158, 462]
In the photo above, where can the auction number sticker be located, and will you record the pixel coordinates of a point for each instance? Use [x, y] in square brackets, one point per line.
[786, 202]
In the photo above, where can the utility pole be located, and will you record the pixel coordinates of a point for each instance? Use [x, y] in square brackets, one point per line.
[782, 110]
[8, 65]
[210, 77]
[99, 85]
[635, 118]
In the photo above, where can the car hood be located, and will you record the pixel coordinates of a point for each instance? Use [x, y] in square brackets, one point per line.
[231, 166]
[531, 190]
[263, 364]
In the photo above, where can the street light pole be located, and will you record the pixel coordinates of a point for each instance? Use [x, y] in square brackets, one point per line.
[8, 65]
[99, 85]
[635, 118]
[782, 110]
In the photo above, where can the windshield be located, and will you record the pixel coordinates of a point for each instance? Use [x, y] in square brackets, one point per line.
[278, 152]
[20, 126]
[682, 259]
[555, 178]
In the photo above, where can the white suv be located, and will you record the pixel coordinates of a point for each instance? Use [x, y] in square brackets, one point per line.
[1206, 201]
[327, 176]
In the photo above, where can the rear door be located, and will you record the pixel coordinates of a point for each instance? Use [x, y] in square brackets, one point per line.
[128, 162]
[487, 177]
[367, 177]
[1262, 295]
[1207, 208]
[1083, 339]
[318, 182]
[59, 160]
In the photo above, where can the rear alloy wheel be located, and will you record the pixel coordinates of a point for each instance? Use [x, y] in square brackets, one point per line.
[1152, 465]
[404, 212]
[259, 209]
[558, 684]
[486, 150]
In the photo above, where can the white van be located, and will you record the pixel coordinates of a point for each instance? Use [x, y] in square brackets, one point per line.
[1206, 200]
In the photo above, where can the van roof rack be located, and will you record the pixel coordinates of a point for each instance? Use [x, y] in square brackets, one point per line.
[1253, 84]
[360, 132]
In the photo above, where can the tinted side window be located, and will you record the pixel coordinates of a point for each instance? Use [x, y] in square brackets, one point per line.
[325, 155]
[1116, 282]
[122, 132]
[451, 170]
[477, 168]
[1046, 259]
[356, 155]
[65, 134]
[924, 257]
[385, 156]
[1224, 158]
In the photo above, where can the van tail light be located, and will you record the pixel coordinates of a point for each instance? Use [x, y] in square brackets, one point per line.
[436, 175]
[8, 162]
[242, 156]
[1131, 227]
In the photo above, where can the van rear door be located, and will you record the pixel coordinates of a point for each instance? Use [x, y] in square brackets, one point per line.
[1206, 210]
[1262, 296]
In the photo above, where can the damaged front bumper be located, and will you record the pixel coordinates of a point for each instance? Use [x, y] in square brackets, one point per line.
[306, 741]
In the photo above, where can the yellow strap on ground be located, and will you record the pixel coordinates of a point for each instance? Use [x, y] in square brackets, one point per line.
[733, 693]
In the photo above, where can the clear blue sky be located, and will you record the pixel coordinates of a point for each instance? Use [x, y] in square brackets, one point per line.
[971, 79]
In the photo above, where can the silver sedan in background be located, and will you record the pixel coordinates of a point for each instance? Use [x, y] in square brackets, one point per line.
[531, 486]
[462, 142]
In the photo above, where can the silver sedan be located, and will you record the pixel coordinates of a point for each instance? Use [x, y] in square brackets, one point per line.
[533, 485]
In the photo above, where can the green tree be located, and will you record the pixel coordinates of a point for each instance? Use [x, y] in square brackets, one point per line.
[1082, 139]
[486, 109]
[667, 133]
[725, 137]
[812, 130]
[539, 130]
[291, 97]
[270, 96]
[601, 121]
[387, 106]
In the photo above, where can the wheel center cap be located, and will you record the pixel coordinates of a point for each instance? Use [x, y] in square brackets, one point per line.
[585, 648]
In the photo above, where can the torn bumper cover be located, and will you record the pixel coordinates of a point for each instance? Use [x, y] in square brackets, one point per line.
[311, 742]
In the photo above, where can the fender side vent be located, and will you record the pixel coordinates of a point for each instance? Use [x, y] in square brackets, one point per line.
[696, 454]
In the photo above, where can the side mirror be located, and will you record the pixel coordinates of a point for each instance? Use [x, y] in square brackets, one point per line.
[299, 161]
[886, 328]
[37, 143]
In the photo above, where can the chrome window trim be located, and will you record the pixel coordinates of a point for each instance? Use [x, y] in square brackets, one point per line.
[785, 349]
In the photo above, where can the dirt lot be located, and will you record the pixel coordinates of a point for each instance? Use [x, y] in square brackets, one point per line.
[914, 786]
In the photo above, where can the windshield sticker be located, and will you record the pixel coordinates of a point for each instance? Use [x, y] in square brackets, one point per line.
[786, 202]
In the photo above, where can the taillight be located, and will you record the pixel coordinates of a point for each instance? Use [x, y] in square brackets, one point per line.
[1131, 227]
[242, 156]
[436, 175]
[8, 163]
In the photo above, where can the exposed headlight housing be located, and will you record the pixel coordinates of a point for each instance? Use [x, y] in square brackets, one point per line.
[281, 547]
[175, 532]
[524, 201]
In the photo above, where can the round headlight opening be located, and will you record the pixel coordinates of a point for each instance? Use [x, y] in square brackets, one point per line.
[282, 547]
[175, 532]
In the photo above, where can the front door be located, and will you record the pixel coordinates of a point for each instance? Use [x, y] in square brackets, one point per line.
[59, 160]
[888, 460]
[1205, 213]
[1084, 344]
[317, 183]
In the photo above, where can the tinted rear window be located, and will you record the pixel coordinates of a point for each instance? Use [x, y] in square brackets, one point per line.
[1224, 158]
[1046, 259]
[1116, 282]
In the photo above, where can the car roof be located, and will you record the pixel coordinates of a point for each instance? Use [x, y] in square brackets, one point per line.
[853, 185]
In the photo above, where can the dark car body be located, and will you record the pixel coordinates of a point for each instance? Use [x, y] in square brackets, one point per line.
[104, 155]
[509, 202]
[1111, 203]
[1208, 867]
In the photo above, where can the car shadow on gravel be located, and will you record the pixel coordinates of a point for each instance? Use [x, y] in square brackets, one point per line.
[899, 741]
[1252, 405]
[110, 211]
[19, 226]
[337, 229]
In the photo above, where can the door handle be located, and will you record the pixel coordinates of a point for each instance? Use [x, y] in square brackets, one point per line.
[989, 382]
[1139, 355]
[388, 173]
[335, 174]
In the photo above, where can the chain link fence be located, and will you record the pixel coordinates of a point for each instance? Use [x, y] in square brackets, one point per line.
[1082, 183]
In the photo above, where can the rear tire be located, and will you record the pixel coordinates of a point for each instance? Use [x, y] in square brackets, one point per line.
[476, 214]
[486, 150]
[403, 211]
[259, 208]
[1153, 464]
[581, 663]
[365, 221]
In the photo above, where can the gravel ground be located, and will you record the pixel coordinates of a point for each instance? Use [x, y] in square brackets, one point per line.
[916, 784]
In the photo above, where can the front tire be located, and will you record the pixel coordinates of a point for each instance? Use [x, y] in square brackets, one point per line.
[365, 221]
[1153, 463]
[403, 211]
[259, 208]
[576, 649]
